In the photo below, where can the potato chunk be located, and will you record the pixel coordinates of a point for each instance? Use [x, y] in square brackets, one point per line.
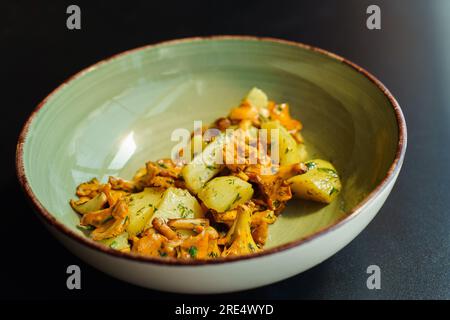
[287, 146]
[256, 97]
[204, 166]
[119, 242]
[141, 207]
[225, 193]
[320, 183]
[178, 203]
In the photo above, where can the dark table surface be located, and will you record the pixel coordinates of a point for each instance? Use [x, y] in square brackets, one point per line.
[409, 238]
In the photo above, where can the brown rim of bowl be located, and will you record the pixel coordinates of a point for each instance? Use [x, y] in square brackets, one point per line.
[392, 172]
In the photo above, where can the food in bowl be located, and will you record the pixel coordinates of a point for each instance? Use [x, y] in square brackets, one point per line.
[217, 195]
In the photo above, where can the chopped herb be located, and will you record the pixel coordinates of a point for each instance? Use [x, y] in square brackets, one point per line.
[184, 211]
[213, 254]
[311, 165]
[333, 190]
[107, 219]
[162, 165]
[251, 247]
[276, 203]
[238, 197]
[162, 254]
[210, 167]
[193, 251]
[125, 220]
[113, 244]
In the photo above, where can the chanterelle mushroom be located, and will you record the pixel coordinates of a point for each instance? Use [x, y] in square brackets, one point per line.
[89, 189]
[115, 225]
[94, 204]
[163, 173]
[240, 240]
[273, 187]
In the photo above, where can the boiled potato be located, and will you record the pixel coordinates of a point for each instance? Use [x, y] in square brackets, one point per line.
[303, 153]
[119, 242]
[320, 183]
[257, 98]
[204, 166]
[225, 193]
[141, 207]
[200, 142]
[287, 146]
[178, 203]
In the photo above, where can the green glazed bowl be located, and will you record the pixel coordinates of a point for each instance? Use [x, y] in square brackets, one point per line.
[112, 117]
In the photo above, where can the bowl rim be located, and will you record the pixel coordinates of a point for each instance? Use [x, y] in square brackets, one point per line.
[351, 214]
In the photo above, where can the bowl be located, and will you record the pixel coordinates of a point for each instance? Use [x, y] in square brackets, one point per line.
[112, 117]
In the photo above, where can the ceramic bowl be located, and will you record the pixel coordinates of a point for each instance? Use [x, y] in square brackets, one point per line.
[112, 117]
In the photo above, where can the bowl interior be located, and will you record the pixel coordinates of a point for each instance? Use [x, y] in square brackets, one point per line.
[114, 117]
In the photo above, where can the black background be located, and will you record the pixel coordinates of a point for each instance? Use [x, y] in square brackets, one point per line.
[409, 238]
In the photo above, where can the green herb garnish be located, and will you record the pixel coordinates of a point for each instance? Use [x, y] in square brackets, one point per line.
[184, 211]
[333, 190]
[311, 165]
[140, 210]
[113, 244]
[193, 251]
[238, 197]
[107, 219]
[213, 255]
